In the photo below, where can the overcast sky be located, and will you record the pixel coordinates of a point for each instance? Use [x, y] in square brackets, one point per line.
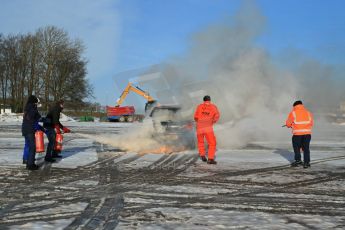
[130, 34]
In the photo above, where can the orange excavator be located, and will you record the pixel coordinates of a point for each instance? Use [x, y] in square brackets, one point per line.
[127, 113]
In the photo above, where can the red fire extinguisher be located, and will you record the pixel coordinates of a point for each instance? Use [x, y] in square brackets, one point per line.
[58, 142]
[39, 140]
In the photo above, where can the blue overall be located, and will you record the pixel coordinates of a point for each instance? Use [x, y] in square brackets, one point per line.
[27, 142]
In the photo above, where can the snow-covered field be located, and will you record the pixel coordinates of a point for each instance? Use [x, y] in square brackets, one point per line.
[97, 186]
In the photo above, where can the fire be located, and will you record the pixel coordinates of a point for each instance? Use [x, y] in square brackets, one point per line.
[165, 149]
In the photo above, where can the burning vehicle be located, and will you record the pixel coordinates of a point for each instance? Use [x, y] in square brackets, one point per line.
[171, 128]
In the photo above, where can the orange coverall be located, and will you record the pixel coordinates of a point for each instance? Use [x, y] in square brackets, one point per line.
[205, 116]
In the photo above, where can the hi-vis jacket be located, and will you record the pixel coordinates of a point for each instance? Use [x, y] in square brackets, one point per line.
[300, 120]
[205, 116]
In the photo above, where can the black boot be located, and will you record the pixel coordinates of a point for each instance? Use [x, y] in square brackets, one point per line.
[296, 163]
[203, 158]
[32, 167]
[306, 165]
[25, 162]
[51, 160]
[212, 162]
[56, 155]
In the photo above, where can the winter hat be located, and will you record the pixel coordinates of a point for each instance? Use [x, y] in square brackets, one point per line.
[32, 99]
[297, 103]
[207, 98]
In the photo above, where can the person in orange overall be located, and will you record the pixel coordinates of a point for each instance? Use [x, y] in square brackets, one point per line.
[205, 116]
[301, 121]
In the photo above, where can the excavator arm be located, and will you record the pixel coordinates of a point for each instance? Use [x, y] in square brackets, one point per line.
[136, 90]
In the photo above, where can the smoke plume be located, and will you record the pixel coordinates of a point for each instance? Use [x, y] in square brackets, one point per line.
[253, 95]
[135, 139]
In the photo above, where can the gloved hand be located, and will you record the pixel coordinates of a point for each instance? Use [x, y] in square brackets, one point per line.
[38, 127]
[66, 130]
[57, 129]
[43, 119]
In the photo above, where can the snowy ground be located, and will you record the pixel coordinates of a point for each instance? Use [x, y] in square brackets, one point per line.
[96, 186]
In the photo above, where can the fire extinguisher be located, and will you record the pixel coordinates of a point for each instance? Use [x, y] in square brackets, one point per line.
[39, 140]
[58, 142]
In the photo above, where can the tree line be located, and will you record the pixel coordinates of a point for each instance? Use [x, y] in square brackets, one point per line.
[47, 64]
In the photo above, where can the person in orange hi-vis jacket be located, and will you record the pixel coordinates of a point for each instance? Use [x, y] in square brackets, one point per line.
[205, 116]
[301, 121]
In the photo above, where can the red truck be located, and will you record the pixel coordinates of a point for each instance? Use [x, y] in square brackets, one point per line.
[127, 113]
[122, 114]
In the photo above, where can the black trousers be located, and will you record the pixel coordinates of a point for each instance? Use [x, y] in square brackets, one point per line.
[301, 141]
[51, 137]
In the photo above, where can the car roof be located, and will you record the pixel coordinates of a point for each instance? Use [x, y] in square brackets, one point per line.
[165, 107]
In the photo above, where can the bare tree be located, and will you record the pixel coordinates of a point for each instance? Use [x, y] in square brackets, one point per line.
[47, 64]
[3, 75]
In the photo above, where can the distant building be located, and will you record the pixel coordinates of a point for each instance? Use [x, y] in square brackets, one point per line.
[5, 110]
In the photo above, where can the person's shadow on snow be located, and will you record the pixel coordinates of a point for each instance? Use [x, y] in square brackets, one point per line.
[288, 155]
[68, 152]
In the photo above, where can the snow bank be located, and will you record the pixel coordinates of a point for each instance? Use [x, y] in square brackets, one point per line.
[18, 117]
[64, 117]
[11, 117]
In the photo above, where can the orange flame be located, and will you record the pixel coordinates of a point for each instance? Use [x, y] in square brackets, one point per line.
[165, 149]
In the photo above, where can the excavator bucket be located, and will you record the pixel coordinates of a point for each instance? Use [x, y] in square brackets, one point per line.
[149, 105]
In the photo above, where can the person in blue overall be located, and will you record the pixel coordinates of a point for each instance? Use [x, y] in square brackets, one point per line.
[31, 116]
[26, 146]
